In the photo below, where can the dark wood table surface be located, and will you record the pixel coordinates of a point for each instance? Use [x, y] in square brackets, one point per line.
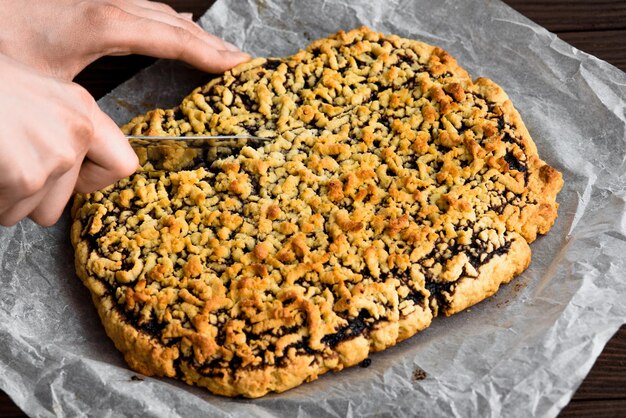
[596, 27]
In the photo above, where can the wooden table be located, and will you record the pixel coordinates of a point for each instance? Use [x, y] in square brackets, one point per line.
[596, 27]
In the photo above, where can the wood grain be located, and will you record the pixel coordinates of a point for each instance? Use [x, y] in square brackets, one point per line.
[609, 45]
[8, 407]
[603, 392]
[596, 27]
[574, 15]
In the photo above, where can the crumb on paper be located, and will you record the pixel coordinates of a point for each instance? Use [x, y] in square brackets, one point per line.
[419, 374]
[366, 363]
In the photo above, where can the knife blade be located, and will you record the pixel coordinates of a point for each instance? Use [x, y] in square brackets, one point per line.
[175, 153]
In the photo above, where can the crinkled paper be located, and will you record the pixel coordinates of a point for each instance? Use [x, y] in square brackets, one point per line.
[522, 353]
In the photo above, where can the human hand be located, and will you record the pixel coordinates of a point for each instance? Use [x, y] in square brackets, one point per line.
[49, 127]
[67, 143]
[61, 37]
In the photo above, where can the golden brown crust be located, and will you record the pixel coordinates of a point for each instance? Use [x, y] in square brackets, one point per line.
[393, 189]
[469, 291]
[543, 183]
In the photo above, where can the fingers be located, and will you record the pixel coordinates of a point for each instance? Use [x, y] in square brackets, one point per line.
[153, 5]
[166, 9]
[46, 205]
[83, 31]
[180, 44]
[15, 211]
[162, 7]
[177, 20]
[109, 158]
[178, 38]
[41, 163]
[50, 206]
[164, 13]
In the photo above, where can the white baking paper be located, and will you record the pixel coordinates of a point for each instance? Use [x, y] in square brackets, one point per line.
[521, 353]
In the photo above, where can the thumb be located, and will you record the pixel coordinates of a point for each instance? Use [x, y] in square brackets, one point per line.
[109, 157]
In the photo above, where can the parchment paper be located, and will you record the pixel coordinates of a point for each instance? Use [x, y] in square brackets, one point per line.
[521, 353]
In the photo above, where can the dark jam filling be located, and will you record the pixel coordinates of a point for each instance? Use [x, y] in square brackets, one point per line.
[440, 292]
[514, 163]
[443, 291]
[416, 296]
[272, 64]
[153, 327]
[499, 209]
[474, 259]
[248, 102]
[436, 289]
[92, 239]
[356, 326]
[507, 136]
[177, 114]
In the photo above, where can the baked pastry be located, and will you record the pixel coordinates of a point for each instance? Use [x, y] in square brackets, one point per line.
[393, 189]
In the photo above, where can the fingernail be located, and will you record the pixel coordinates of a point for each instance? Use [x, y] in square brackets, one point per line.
[231, 47]
[188, 16]
[242, 55]
[237, 56]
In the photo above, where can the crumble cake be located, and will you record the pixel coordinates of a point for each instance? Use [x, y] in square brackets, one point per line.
[393, 189]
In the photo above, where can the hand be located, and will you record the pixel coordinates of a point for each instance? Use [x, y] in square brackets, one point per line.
[61, 37]
[49, 127]
[55, 138]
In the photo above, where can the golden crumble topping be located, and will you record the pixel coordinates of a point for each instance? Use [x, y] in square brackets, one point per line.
[393, 188]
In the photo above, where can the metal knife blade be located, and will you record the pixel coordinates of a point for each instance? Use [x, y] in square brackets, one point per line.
[192, 138]
[175, 153]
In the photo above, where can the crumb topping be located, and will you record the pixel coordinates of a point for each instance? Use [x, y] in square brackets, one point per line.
[390, 178]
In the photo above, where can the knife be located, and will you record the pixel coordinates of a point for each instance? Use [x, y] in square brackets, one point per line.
[175, 153]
